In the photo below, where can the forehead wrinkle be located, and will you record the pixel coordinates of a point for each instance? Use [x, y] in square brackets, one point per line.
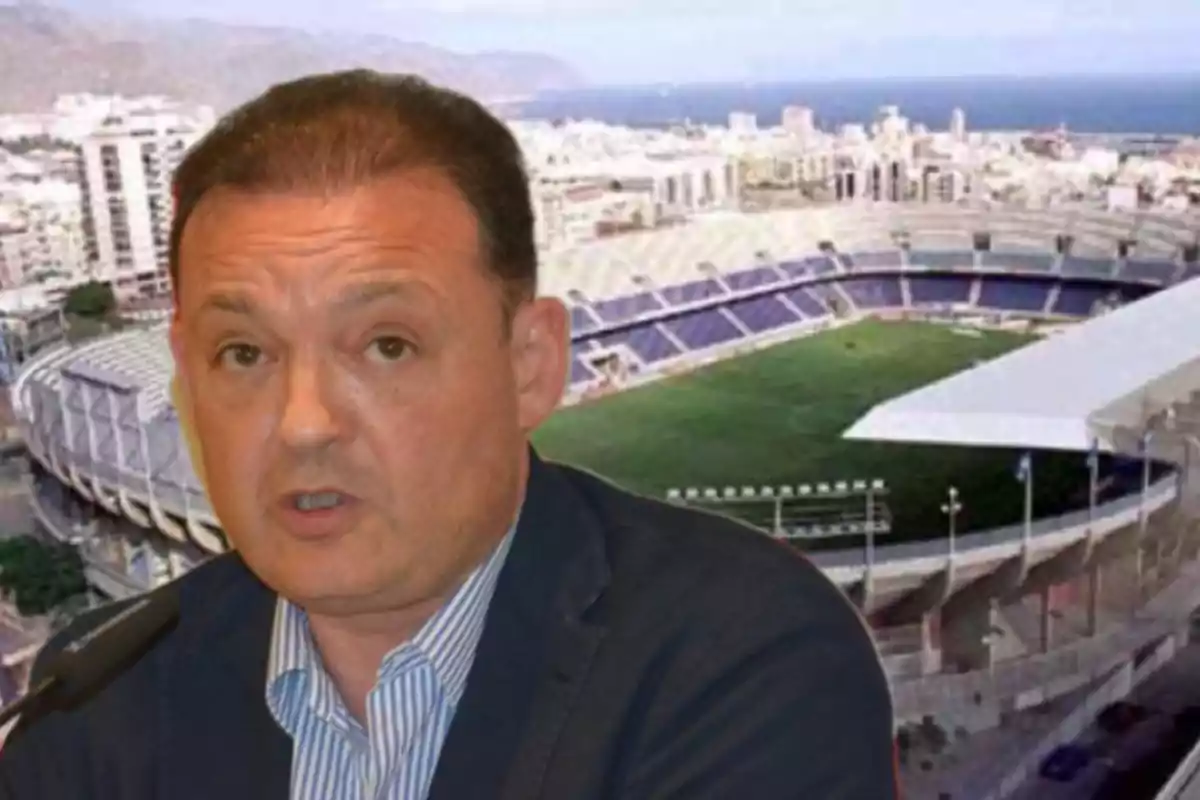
[360, 290]
[283, 249]
[275, 268]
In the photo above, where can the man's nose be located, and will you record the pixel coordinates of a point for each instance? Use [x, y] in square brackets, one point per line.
[309, 419]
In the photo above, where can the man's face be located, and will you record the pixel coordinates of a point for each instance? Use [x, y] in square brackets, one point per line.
[362, 408]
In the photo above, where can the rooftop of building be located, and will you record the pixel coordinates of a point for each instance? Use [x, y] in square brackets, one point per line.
[1049, 396]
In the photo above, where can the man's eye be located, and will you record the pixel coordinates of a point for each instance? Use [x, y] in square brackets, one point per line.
[388, 348]
[239, 356]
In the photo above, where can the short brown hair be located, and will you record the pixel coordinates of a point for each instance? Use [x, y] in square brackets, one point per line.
[334, 131]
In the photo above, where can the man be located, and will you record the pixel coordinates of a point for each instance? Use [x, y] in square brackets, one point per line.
[417, 605]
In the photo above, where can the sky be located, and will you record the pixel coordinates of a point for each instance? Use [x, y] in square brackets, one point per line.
[651, 41]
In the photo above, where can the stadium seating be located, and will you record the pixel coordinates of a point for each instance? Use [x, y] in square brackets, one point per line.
[750, 279]
[703, 329]
[619, 309]
[677, 293]
[937, 290]
[1013, 294]
[762, 313]
[687, 318]
[647, 341]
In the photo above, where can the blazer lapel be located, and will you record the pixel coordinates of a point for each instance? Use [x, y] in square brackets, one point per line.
[218, 739]
[535, 649]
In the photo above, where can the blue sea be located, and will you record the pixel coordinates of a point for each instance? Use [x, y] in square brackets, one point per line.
[1161, 105]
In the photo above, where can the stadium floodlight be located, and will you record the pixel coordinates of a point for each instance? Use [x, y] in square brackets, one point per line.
[878, 485]
[730, 492]
[804, 489]
[767, 491]
[674, 494]
[823, 488]
[859, 486]
[748, 491]
[786, 491]
[841, 487]
[951, 508]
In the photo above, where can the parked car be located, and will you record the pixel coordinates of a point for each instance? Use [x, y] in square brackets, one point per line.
[1065, 762]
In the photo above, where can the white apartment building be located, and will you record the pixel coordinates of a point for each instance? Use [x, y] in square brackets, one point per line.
[577, 202]
[566, 215]
[41, 233]
[127, 164]
[889, 160]
[590, 179]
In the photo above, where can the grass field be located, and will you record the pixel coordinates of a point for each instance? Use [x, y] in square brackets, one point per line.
[776, 417]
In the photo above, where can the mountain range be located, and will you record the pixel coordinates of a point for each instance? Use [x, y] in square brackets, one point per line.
[47, 51]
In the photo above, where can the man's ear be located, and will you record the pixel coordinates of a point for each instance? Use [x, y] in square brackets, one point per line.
[540, 333]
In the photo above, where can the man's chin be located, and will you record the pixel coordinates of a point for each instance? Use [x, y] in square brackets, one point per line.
[339, 601]
[319, 582]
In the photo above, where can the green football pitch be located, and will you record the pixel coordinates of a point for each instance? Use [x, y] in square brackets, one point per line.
[775, 417]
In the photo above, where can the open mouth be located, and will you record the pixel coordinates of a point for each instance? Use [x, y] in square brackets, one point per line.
[318, 514]
[317, 501]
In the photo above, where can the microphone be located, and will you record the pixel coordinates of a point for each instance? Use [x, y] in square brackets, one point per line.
[85, 663]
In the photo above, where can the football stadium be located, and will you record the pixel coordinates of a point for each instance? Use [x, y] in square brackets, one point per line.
[979, 421]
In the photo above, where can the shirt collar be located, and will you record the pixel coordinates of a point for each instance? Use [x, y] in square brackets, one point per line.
[447, 640]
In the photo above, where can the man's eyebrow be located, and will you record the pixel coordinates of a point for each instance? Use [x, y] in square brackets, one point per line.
[229, 303]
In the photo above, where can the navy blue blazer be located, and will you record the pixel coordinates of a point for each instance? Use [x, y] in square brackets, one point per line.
[633, 649]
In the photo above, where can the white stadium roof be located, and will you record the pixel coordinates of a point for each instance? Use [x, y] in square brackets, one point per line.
[1102, 379]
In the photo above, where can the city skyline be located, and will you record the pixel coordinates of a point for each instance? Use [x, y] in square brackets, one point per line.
[760, 40]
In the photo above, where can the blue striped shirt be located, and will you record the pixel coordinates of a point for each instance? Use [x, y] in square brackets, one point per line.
[409, 709]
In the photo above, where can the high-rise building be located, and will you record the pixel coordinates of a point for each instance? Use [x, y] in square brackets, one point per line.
[127, 165]
[958, 124]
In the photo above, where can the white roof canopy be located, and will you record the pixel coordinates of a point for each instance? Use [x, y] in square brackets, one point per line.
[1106, 379]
